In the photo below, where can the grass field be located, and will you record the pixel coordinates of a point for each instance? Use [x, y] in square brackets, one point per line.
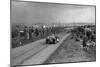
[71, 51]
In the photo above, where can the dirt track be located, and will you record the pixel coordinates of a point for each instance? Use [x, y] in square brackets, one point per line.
[21, 54]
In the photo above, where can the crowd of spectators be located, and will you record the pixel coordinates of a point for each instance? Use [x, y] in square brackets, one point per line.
[86, 34]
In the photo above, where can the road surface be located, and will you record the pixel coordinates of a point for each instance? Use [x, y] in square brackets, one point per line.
[33, 52]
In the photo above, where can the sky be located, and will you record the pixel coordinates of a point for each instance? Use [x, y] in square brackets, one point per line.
[38, 13]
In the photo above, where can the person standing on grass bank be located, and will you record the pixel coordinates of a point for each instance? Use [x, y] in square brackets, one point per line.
[84, 41]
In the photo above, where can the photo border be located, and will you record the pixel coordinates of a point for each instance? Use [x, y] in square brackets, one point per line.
[46, 3]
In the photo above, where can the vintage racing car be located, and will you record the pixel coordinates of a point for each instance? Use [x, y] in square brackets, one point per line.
[52, 39]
